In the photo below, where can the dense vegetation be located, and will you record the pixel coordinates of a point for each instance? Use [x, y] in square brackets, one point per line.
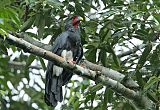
[110, 28]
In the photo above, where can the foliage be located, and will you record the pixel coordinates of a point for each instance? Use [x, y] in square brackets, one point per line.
[110, 27]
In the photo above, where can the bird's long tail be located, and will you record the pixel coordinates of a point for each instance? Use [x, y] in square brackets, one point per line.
[53, 87]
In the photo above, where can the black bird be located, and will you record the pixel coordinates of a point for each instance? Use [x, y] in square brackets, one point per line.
[68, 45]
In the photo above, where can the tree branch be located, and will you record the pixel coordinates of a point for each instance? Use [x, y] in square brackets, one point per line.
[29, 39]
[21, 65]
[140, 101]
[136, 48]
[48, 47]
[128, 82]
[115, 75]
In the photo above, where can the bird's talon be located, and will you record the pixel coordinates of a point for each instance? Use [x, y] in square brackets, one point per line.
[82, 65]
[71, 62]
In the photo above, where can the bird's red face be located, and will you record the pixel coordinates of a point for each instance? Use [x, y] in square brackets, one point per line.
[76, 20]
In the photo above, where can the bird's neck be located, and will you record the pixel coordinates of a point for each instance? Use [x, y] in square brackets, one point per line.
[76, 25]
[75, 30]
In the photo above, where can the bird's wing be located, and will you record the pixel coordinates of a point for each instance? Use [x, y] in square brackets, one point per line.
[56, 77]
[53, 85]
[66, 75]
[60, 43]
[79, 54]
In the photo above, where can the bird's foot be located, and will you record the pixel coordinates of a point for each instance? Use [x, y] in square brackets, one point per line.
[82, 65]
[71, 62]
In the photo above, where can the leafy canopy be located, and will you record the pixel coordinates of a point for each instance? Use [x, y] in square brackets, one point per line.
[110, 28]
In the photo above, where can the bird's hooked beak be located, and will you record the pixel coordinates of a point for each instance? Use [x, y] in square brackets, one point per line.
[80, 18]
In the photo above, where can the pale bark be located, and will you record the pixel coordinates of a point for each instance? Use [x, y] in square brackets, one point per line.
[22, 65]
[98, 76]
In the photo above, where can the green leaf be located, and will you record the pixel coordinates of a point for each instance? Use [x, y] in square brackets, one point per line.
[91, 26]
[144, 56]
[79, 10]
[88, 97]
[30, 59]
[104, 33]
[71, 99]
[104, 2]
[152, 80]
[41, 27]
[96, 88]
[27, 24]
[84, 37]
[105, 100]
[157, 17]
[42, 63]
[141, 62]
[4, 61]
[92, 98]
[152, 96]
[4, 3]
[103, 57]
[90, 54]
[3, 49]
[71, 8]
[54, 3]
[4, 83]
[133, 13]
[127, 106]
[86, 7]
[2, 92]
[109, 95]
[139, 78]
[37, 19]
[155, 57]
[85, 82]
[14, 16]
[141, 34]
[76, 105]
[3, 33]
[115, 58]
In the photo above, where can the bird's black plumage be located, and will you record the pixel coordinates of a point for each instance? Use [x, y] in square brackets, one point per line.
[67, 43]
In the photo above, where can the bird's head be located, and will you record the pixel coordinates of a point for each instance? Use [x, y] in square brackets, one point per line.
[76, 20]
[73, 22]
